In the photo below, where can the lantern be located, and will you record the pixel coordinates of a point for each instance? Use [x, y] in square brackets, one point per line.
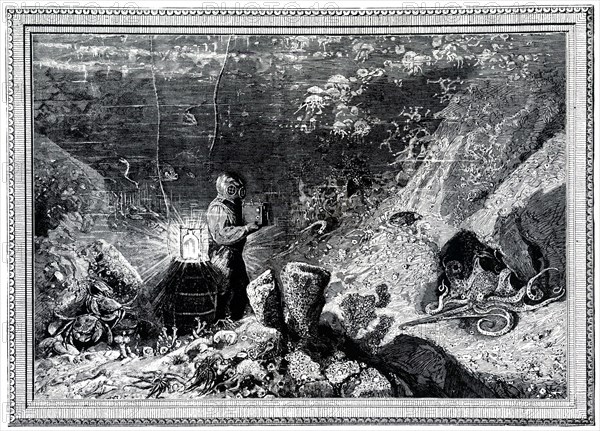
[193, 243]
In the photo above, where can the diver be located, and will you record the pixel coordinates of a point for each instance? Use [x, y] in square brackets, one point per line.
[228, 233]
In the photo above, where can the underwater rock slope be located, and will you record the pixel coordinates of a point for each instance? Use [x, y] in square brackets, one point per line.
[495, 170]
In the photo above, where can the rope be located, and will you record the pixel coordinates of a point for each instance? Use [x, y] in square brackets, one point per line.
[215, 95]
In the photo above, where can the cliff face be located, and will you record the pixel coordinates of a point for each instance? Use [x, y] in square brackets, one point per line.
[485, 134]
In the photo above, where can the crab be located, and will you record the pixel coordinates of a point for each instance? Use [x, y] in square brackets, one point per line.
[362, 50]
[449, 52]
[209, 372]
[313, 103]
[71, 335]
[217, 374]
[99, 302]
[413, 62]
[157, 382]
[338, 82]
[488, 297]
[339, 129]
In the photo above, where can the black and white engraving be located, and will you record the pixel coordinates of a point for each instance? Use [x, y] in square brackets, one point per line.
[309, 215]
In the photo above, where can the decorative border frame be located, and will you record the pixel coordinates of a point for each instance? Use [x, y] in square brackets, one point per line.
[17, 168]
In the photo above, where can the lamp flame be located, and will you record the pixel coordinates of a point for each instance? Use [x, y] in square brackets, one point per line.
[193, 243]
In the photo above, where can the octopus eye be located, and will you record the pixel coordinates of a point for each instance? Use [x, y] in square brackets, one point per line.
[454, 267]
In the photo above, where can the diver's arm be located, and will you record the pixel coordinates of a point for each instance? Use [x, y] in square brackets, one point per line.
[219, 225]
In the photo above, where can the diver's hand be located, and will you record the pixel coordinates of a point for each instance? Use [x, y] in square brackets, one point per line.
[253, 227]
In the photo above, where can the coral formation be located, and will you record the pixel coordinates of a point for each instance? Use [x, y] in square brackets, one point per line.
[358, 311]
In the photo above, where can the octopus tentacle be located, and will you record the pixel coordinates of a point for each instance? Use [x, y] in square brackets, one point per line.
[516, 307]
[430, 309]
[455, 313]
[457, 301]
[535, 293]
[490, 305]
[451, 302]
[489, 311]
[525, 290]
[517, 297]
[501, 312]
[526, 307]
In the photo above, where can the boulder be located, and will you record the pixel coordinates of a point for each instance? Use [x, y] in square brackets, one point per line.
[358, 311]
[340, 370]
[474, 150]
[265, 298]
[259, 341]
[303, 294]
[302, 368]
[503, 181]
[69, 195]
[318, 389]
[370, 383]
[249, 328]
[429, 370]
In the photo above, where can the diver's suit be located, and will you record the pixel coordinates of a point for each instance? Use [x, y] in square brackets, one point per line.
[227, 238]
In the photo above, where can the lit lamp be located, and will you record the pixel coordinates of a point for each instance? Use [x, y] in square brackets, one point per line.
[193, 244]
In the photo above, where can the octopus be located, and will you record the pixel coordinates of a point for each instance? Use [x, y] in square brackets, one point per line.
[488, 297]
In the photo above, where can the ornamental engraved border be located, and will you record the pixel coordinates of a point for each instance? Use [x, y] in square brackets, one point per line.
[12, 173]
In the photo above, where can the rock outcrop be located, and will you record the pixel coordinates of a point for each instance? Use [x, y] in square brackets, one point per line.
[303, 294]
[525, 216]
[68, 193]
[498, 172]
[265, 298]
[108, 264]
